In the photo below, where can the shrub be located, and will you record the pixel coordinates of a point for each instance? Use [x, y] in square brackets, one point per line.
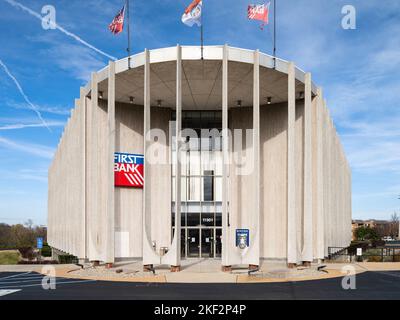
[67, 259]
[27, 253]
[46, 250]
[38, 262]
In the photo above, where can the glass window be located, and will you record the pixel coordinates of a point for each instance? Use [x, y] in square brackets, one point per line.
[207, 219]
[193, 219]
[208, 186]
[194, 189]
[218, 220]
[218, 189]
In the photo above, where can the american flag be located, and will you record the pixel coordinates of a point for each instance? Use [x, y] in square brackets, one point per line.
[117, 25]
[128, 170]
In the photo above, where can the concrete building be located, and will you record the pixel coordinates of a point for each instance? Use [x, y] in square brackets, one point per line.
[271, 181]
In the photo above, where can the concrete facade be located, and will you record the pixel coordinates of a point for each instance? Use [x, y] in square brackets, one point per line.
[295, 197]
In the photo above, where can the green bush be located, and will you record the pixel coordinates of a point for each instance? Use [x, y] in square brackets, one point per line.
[67, 259]
[46, 250]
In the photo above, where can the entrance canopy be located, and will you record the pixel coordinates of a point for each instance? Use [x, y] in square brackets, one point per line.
[202, 79]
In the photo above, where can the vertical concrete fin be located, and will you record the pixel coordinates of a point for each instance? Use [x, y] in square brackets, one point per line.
[307, 252]
[320, 177]
[83, 250]
[149, 255]
[173, 257]
[110, 240]
[291, 170]
[225, 163]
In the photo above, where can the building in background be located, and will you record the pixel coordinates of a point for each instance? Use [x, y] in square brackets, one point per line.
[384, 228]
[260, 172]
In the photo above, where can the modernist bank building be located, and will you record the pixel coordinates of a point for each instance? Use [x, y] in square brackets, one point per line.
[257, 172]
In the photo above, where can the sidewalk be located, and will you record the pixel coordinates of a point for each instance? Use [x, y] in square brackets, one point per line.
[204, 271]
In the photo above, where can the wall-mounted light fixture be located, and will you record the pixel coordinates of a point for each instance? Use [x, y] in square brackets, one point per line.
[101, 94]
[269, 100]
[159, 102]
[301, 95]
[239, 103]
[131, 99]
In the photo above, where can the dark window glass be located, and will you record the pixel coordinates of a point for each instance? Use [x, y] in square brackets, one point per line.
[208, 185]
[183, 220]
[207, 219]
[193, 219]
[218, 219]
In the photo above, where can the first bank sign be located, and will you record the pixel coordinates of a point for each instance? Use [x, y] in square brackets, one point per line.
[128, 170]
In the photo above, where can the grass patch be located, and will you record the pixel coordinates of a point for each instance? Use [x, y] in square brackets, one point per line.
[9, 257]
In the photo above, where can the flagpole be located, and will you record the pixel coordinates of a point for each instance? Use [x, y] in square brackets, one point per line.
[202, 33]
[129, 35]
[202, 40]
[274, 34]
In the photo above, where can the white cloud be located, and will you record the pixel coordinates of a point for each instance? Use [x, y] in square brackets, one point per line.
[33, 149]
[79, 61]
[19, 126]
[57, 110]
[21, 91]
[58, 27]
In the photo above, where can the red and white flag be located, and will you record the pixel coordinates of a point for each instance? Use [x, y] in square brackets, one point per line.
[117, 25]
[193, 13]
[259, 12]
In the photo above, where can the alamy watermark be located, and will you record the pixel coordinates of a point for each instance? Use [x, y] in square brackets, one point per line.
[349, 280]
[49, 17]
[349, 20]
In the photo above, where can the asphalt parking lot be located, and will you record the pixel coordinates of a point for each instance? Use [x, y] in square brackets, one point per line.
[383, 285]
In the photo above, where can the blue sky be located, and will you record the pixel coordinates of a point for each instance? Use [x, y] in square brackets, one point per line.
[359, 71]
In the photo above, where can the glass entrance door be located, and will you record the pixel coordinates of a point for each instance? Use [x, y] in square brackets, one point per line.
[193, 243]
[218, 243]
[207, 243]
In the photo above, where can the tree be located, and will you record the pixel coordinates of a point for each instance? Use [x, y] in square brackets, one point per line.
[5, 237]
[394, 225]
[22, 237]
[366, 233]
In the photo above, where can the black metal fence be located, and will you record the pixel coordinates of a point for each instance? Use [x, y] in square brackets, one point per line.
[380, 254]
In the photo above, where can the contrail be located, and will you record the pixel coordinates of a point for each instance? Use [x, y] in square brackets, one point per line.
[32, 106]
[37, 15]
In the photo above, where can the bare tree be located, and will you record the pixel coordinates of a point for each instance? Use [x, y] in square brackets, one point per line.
[394, 224]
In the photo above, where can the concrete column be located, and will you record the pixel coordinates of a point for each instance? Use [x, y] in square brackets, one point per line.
[83, 137]
[320, 177]
[307, 253]
[225, 165]
[291, 170]
[254, 254]
[173, 257]
[178, 129]
[93, 253]
[149, 256]
[110, 239]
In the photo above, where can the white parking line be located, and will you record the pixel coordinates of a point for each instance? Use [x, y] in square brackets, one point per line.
[57, 283]
[23, 278]
[16, 275]
[7, 292]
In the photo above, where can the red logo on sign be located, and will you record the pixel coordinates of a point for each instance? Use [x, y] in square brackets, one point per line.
[128, 170]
